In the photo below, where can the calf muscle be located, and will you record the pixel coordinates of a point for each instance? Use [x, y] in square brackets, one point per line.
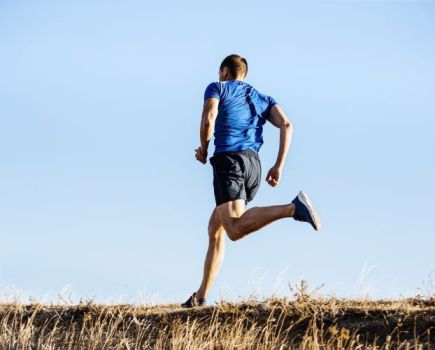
[239, 222]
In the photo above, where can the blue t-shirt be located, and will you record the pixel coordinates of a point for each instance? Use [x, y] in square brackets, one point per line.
[242, 113]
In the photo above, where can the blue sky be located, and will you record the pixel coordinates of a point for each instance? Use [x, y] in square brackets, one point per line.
[100, 104]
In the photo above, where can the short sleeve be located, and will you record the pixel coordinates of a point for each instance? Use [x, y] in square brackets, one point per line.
[270, 103]
[212, 90]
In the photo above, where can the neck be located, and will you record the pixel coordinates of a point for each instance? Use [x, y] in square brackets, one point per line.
[237, 78]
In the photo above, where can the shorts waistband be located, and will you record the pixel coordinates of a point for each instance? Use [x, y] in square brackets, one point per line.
[247, 151]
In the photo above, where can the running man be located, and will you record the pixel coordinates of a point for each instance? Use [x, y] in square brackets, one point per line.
[236, 112]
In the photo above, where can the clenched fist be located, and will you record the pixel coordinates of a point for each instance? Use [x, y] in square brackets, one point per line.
[273, 176]
[200, 156]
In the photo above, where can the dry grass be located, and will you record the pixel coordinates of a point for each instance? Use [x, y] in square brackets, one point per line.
[302, 322]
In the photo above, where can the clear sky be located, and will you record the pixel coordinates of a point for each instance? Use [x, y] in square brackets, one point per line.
[100, 103]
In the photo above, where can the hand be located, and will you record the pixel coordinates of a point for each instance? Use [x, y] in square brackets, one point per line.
[200, 155]
[273, 176]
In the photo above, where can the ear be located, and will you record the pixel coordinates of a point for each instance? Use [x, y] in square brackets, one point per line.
[225, 72]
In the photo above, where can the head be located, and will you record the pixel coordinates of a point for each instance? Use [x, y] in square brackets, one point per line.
[233, 67]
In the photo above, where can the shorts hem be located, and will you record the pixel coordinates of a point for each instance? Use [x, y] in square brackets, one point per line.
[229, 200]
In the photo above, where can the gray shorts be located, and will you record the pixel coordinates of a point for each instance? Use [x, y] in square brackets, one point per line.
[236, 175]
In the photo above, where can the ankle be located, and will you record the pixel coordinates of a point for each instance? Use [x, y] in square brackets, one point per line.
[291, 211]
[199, 294]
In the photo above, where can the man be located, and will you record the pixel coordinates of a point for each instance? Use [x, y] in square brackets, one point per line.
[236, 112]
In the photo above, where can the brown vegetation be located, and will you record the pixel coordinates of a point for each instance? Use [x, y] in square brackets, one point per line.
[303, 322]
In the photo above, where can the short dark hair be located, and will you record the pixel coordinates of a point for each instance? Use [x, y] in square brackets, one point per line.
[237, 65]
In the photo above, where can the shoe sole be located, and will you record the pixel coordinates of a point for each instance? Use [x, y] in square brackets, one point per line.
[303, 197]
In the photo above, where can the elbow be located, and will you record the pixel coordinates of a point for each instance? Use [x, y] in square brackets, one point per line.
[287, 125]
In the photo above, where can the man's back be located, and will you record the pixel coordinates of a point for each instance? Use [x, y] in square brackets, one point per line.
[242, 113]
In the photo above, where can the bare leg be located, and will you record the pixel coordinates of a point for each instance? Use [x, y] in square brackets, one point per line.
[239, 222]
[215, 255]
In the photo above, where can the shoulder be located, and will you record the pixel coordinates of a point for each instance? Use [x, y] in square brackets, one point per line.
[270, 100]
[213, 90]
[255, 91]
[214, 85]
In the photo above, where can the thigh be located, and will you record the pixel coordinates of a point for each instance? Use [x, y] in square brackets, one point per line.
[214, 222]
[230, 211]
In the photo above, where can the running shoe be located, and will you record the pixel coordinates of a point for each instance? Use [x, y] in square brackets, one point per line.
[304, 210]
[194, 301]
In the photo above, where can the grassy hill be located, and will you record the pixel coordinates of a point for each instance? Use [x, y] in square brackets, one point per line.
[276, 323]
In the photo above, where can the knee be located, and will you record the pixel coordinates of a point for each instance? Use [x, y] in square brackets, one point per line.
[234, 233]
[215, 233]
[233, 237]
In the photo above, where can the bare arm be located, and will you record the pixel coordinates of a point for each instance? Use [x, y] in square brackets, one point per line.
[278, 118]
[209, 114]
